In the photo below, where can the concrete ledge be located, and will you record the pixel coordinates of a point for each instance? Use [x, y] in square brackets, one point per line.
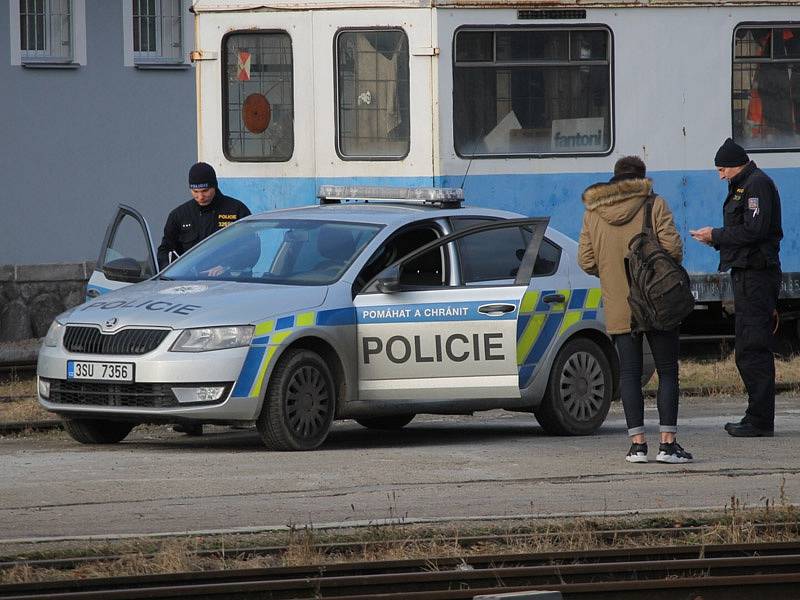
[7, 273]
[51, 272]
[22, 352]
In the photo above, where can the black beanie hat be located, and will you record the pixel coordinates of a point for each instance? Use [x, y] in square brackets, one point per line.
[202, 176]
[731, 154]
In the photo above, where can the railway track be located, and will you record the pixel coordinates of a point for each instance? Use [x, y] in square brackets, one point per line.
[708, 572]
[604, 536]
[767, 570]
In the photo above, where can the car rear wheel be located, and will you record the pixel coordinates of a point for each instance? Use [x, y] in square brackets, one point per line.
[300, 402]
[579, 391]
[387, 422]
[97, 431]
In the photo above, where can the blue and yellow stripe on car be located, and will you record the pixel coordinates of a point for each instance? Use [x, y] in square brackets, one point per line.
[268, 337]
[540, 322]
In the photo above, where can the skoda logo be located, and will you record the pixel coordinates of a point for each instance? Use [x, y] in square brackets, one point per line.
[110, 323]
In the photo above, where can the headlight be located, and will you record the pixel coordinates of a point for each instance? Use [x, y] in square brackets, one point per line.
[54, 334]
[204, 339]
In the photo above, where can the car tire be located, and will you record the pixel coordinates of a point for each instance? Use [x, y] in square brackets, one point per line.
[300, 403]
[386, 422]
[579, 390]
[97, 431]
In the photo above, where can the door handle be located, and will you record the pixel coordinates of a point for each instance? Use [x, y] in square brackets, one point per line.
[554, 298]
[495, 310]
[92, 293]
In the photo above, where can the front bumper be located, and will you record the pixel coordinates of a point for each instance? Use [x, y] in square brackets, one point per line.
[150, 397]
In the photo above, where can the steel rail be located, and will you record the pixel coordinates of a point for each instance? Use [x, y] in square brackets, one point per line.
[465, 542]
[786, 568]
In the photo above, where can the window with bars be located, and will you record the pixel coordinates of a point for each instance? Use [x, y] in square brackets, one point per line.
[372, 94]
[528, 92]
[157, 31]
[45, 28]
[258, 97]
[766, 87]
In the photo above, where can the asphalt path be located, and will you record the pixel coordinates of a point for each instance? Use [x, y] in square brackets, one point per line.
[490, 465]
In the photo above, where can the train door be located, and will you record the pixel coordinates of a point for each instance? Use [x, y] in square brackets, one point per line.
[374, 110]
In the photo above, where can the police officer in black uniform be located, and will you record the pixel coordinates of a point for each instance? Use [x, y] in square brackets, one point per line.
[748, 243]
[208, 211]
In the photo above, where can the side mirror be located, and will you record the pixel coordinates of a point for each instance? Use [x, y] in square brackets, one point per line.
[388, 281]
[123, 269]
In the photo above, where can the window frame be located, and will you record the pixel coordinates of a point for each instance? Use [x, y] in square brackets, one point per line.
[134, 58]
[569, 28]
[77, 41]
[757, 25]
[224, 96]
[337, 136]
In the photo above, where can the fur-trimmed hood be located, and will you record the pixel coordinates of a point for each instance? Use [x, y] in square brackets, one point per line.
[617, 202]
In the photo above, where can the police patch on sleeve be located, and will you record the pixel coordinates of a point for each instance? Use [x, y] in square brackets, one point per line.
[752, 204]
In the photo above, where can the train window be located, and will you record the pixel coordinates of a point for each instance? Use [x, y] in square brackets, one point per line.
[372, 94]
[766, 87]
[257, 97]
[529, 92]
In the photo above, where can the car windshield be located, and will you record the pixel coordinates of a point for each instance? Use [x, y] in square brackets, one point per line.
[282, 251]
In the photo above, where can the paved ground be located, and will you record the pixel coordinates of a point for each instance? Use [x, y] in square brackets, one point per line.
[493, 464]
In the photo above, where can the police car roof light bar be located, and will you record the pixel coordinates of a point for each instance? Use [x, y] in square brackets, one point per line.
[444, 197]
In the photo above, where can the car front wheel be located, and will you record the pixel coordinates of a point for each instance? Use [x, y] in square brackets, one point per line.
[97, 431]
[300, 402]
[579, 391]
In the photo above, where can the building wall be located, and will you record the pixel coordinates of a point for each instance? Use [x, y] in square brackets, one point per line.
[78, 141]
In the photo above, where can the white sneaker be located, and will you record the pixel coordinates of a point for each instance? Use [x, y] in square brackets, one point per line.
[673, 453]
[637, 453]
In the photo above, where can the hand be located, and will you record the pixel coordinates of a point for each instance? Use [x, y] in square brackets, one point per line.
[702, 235]
[215, 271]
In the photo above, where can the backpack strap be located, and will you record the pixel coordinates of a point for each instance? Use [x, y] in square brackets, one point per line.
[647, 223]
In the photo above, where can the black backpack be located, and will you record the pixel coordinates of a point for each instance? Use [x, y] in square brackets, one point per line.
[660, 291]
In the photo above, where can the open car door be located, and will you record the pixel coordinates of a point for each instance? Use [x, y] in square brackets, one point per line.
[127, 255]
[441, 323]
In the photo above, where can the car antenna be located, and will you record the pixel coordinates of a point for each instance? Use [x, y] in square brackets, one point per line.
[469, 164]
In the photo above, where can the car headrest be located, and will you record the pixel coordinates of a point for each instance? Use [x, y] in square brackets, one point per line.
[335, 243]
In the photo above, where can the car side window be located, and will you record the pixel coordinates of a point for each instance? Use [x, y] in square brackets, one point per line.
[547, 259]
[493, 255]
[425, 270]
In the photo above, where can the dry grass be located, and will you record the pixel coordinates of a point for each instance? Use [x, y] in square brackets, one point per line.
[18, 403]
[710, 377]
[24, 411]
[12, 384]
[736, 523]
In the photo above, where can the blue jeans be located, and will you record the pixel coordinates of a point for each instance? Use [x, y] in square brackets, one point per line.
[665, 346]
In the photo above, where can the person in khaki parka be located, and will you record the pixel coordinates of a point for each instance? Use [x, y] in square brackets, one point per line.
[613, 216]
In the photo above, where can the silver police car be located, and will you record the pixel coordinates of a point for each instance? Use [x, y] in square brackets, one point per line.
[400, 303]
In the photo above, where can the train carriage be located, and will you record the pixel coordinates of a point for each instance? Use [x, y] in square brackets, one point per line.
[523, 104]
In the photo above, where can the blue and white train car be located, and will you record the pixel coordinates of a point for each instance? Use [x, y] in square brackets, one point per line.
[524, 104]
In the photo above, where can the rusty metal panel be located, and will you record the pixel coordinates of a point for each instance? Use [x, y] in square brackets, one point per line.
[533, 4]
[204, 6]
[201, 6]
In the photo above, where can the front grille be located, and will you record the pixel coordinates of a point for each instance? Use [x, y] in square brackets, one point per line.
[90, 340]
[138, 395]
